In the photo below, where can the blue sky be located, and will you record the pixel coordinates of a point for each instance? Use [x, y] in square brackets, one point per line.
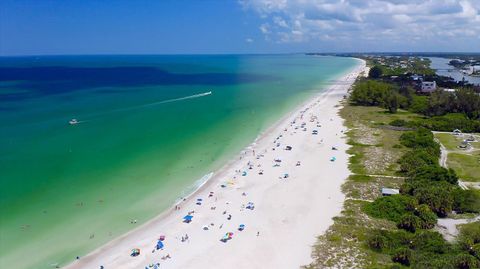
[38, 27]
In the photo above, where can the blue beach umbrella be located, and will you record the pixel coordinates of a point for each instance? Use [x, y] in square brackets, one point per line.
[159, 244]
[187, 218]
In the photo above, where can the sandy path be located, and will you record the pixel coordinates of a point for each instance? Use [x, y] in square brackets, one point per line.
[288, 214]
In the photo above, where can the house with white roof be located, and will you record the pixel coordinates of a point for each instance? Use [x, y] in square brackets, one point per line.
[428, 86]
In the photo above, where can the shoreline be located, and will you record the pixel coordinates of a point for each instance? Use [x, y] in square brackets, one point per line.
[115, 254]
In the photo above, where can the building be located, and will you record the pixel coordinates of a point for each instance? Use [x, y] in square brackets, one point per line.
[389, 192]
[428, 86]
[416, 77]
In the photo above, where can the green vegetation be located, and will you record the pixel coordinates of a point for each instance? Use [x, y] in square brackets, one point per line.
[416, 209]
[393, 146]
[465, 162]
[395, 66]
[375, 72]
[449, 141]
[391, 207]
[375, 151]
[467, 166]
[448, 123]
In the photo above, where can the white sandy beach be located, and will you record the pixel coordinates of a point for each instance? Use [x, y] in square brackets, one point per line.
[289, 213]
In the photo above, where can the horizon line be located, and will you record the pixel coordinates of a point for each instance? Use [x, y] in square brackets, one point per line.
[226, 54]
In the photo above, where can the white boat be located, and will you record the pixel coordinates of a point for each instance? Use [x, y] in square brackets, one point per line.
[73, 121]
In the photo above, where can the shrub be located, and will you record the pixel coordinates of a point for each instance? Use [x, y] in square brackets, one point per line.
[398, 123]
[470, 231]
[414, 161]
[465, 261]
[466, 201]
[475, 250]
[390, 207]
[421, 138]
[436, 173]
[398, 238]
[428, 219]
[430, 242]
[439, 197]
[450, 122]
[428, 261]
[409, 222]
[377, 241]
[402, 256]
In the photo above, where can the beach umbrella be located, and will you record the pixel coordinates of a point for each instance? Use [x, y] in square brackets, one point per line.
[159, 244]
[135, 252]
[187, 218]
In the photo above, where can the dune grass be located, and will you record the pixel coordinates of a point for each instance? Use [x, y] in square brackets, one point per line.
[374, 151]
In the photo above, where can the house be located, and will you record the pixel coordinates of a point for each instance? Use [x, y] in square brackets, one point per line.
[389, 192]
[428, 86]
[416, 77]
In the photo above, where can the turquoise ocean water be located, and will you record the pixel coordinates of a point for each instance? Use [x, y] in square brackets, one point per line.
[149, 128]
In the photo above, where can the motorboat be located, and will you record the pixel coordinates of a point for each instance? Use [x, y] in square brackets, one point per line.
[73, 122]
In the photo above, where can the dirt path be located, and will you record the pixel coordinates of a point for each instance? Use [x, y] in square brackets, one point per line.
[443, 160]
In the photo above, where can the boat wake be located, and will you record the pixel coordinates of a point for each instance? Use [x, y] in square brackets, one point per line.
[177, 99]
[93, 116]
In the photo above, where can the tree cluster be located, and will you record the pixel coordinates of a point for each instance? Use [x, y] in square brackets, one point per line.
[376, 93]
[429, 191]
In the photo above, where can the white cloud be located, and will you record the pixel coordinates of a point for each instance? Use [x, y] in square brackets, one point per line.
[248, 40]
[280, 22]
[265, 28]
[404, 21]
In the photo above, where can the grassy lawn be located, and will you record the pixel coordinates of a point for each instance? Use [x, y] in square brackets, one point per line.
[466, 166]
[449, 141]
